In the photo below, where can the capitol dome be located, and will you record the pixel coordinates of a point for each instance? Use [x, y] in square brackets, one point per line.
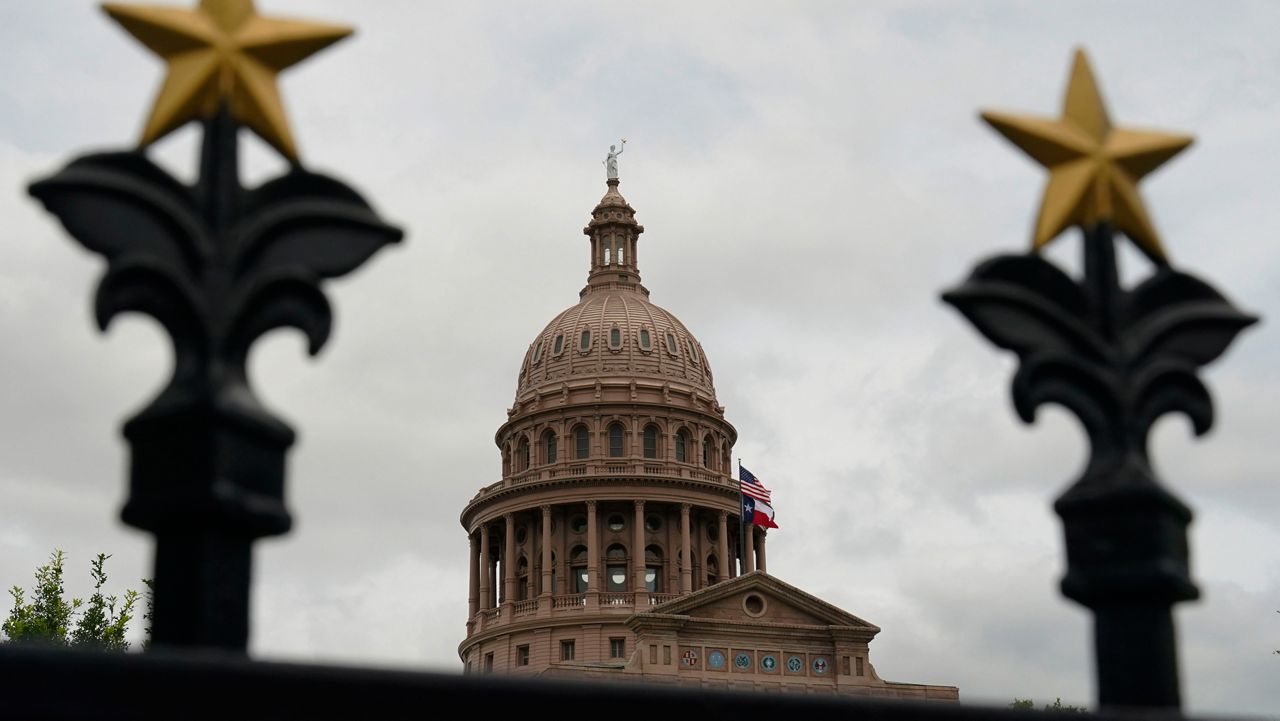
[615, 332]
[616, 492]
[614, 544]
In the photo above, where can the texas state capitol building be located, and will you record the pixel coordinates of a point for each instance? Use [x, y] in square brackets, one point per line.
[610, 548]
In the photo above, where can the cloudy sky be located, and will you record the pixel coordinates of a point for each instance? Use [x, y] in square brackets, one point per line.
[810, 177]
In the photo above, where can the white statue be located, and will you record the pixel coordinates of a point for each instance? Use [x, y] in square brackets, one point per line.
[611, 162]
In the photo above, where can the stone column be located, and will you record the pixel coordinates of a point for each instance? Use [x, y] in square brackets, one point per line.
[509, 560]
[473, 588]
[763, 535]
[531, 534]
[546, 551]
[563, 583]
[637, 554]
[686, 565]
[486, 600]
[722, 570]
[749, 553]
[593, 555]
[637, 440]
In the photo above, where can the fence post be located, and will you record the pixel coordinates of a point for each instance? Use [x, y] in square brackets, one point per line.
[1118, 358]
[218, 265]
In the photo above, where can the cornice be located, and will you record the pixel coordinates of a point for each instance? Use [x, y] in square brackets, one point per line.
[538, 624]
[699, 405]
[476, 505]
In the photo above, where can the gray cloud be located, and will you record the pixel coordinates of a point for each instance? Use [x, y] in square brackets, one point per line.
[809, 178]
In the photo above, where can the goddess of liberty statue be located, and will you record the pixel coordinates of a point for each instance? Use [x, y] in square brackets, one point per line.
[611, 161]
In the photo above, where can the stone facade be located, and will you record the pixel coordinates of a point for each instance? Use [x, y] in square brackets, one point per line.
[611, 546]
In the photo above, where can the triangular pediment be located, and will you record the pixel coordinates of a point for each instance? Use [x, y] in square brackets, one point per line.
[757, 596]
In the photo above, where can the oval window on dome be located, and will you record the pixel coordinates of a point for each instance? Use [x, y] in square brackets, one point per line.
[584, 343]
[558, 347]
[537, 353]
[615, 337]
[672, 348]
[645, 341]
[693, 352]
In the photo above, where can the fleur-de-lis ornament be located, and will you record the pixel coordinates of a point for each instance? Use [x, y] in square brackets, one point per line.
[217, 265]
[1118, 358]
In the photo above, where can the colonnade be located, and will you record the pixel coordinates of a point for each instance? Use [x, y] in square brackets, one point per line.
[485, 565]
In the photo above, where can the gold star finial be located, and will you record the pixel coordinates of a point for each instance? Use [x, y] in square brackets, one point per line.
[222, 51]
[1094, 168]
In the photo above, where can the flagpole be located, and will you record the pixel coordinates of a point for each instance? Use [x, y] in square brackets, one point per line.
[742, 527]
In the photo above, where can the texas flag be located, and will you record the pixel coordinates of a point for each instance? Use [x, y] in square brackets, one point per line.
[757, 512]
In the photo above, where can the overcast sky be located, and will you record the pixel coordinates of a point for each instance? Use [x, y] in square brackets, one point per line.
[810, 176]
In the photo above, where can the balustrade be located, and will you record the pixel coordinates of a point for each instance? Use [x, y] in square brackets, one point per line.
[575, 601]
[646, 468]
[615, 599]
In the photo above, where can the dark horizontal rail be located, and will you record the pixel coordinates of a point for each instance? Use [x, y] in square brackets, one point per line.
[46, 684]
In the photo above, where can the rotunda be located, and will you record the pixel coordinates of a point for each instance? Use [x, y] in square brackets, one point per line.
[611, 547]
[616, 491]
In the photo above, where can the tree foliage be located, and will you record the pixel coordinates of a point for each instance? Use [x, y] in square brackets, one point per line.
[48, 618]
[1026, 704]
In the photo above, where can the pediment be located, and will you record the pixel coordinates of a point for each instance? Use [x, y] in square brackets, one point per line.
[759, 597]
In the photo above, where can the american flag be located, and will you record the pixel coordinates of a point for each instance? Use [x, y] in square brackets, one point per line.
[751, 486]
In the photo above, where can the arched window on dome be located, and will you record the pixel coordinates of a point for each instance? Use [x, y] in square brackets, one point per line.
[549, 450]
[672, 348]
[682, 445]
[693, 351]
[651, 441]
[522, 455]
[608, 254]
[616, 568]
[557, 347]
[706, 452]
[581, 442]
[646, 340]
[622, 250]
[584, 341]
[522, 579]
[616, 436]
[537, 353]
[578, 568]
[653, 569]
[615, 337]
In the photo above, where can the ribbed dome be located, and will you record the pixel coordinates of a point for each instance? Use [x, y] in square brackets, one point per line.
[614, 331]
[626, 336]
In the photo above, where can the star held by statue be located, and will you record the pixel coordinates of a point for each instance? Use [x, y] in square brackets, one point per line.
[1094, 167]
[223, 51]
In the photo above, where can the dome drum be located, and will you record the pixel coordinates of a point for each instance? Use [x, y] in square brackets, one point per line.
[558, 561]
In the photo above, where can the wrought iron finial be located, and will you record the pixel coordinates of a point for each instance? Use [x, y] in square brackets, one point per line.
[1118, 358]
[217, 265]
[1094, 168]
[223, 52]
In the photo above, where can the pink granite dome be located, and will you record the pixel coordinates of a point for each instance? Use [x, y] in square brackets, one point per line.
[627, 336]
